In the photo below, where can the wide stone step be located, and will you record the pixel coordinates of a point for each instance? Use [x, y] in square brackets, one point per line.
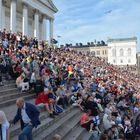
[75, 134]
[12, 101]
[8, 91]
[45, 124]
[9, 81]
[12, 96]
[59, 125]
[69, 126]
[86, 135]
[8, 86]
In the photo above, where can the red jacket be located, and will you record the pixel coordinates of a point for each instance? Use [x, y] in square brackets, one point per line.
[42, 98]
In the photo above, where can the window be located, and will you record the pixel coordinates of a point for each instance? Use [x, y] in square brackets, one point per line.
[98, 52]
[103, 52]
[121, 61]
[129, 60]
[114, 61]
[121, 52]
[129, 52]
[114, 52]
[93, 53]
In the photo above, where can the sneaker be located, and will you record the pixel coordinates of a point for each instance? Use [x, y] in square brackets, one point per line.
[1, 84]
[23, 91]
[54, 113]
[52, 116]
[74, 104]
[90, 130]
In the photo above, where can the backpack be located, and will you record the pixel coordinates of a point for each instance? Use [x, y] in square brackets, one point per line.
[57, 109]
[74, 87]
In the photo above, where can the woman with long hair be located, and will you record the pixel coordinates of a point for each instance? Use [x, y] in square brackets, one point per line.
[4, 126]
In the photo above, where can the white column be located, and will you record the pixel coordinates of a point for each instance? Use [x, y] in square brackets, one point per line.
[25, 20]
[51, 29]
[13, 16]
[3, 15]
[0, 14]
[36, 24]
[44, 28]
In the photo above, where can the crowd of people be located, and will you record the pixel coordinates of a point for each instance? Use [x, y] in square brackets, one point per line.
[108, 97]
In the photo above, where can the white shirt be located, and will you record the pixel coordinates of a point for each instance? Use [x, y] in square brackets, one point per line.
[24, 115]
[4, 127]
[18, 38]
[106, 122]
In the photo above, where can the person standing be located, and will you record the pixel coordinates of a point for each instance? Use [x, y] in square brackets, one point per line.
[4, 127]
[28, 115]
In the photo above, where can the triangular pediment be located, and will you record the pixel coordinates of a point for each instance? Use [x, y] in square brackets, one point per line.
[50, 4]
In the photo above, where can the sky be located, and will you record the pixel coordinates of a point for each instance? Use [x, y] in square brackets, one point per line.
[82, 21]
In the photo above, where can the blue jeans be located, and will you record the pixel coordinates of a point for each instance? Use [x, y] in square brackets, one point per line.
[26, 133]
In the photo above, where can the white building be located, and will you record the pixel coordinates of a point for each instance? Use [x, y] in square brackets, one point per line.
[28, 16]
[122, 51]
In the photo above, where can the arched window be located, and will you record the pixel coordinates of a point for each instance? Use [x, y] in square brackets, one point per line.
[129, 60]
[121, 52]
[114, 61]
[113, 52]
[129, 51]
[121, 61]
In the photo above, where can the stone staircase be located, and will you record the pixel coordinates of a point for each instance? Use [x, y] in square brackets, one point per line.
[66, 124]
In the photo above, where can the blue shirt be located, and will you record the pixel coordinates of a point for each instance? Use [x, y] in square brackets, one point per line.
[24, 115]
